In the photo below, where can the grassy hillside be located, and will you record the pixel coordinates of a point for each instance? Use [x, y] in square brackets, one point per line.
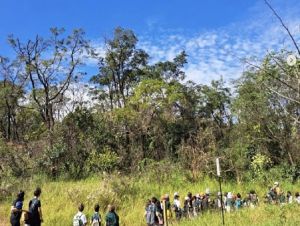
[60, 198]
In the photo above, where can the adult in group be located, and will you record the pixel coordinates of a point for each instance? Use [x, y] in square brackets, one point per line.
[16, 209]
[277, 190]
[112, 218]
[35, 209]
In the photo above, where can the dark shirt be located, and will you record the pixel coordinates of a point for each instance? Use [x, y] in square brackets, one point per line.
[34, 206]
[15, 216]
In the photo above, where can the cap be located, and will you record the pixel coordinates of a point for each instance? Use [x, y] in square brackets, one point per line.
[176, 194]
[207, 191]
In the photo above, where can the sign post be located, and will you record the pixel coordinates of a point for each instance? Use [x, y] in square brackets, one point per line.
[165, 213]
[220, 184]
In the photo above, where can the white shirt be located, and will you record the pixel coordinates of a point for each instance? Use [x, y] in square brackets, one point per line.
[82, 217]
[177, 203]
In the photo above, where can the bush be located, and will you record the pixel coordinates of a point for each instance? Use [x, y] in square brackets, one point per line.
[259, 165]
[102, 161]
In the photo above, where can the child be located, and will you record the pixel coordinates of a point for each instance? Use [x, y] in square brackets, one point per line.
[80, 219]
[229, 202]
[289, 197]
[297, 197]
[96, 217]
[176, 206]
[16, 209]
[238, 201]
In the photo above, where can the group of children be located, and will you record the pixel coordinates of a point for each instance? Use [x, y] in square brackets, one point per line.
[111, 218]
[155, 209]
[277, 196]
[33, 216]
[195, 205]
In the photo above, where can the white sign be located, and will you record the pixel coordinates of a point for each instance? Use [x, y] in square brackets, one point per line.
[218, 167]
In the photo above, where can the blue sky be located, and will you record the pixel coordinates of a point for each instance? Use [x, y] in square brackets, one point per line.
[215, 33]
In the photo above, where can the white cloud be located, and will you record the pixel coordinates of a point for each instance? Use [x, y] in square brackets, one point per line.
[216, 53]
[221, 52]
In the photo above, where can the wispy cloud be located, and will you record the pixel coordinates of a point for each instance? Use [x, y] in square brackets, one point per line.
[219, 52]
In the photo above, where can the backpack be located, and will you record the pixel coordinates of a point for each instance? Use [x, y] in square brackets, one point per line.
[77, 220]
[238, 203]
[96, 219]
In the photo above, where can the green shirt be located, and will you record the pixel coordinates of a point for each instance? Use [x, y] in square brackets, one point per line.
[112, 219]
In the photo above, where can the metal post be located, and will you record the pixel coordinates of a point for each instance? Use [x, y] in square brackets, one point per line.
[220, 183]
[222, 207]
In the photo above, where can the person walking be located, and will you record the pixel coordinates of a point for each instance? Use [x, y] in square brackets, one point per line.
[177, 206]
[35, 209]
[80, 218]
[96, 217]
[151, 213]
[16, 209]
[112, 218]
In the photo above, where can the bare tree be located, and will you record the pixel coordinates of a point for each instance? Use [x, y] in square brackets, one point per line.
[50, 66]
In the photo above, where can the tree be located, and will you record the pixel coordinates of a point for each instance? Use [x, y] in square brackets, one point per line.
[12, 90]
[121, 68]
[50, 65]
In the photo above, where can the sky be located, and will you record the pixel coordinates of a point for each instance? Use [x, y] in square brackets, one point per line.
[216, 34]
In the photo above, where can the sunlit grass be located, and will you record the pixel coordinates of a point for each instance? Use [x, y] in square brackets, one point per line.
[60, 199]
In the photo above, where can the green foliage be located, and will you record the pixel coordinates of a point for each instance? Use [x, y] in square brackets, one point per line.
[259, 165]
[141, 111]
[106, 161]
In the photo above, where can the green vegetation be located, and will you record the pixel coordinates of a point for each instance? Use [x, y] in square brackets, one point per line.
[60, 198]
[141, 112]
[142, 127]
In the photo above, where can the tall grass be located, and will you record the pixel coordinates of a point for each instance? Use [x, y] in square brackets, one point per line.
[129, 193]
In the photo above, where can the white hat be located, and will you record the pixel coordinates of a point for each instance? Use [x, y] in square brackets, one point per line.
[186, 198]
[207, 191]
[276, 183]
[176, 194]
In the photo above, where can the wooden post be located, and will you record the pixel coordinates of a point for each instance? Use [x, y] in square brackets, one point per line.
[165, 213]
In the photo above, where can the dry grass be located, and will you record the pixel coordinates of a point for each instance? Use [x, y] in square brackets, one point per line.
[60, 199]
